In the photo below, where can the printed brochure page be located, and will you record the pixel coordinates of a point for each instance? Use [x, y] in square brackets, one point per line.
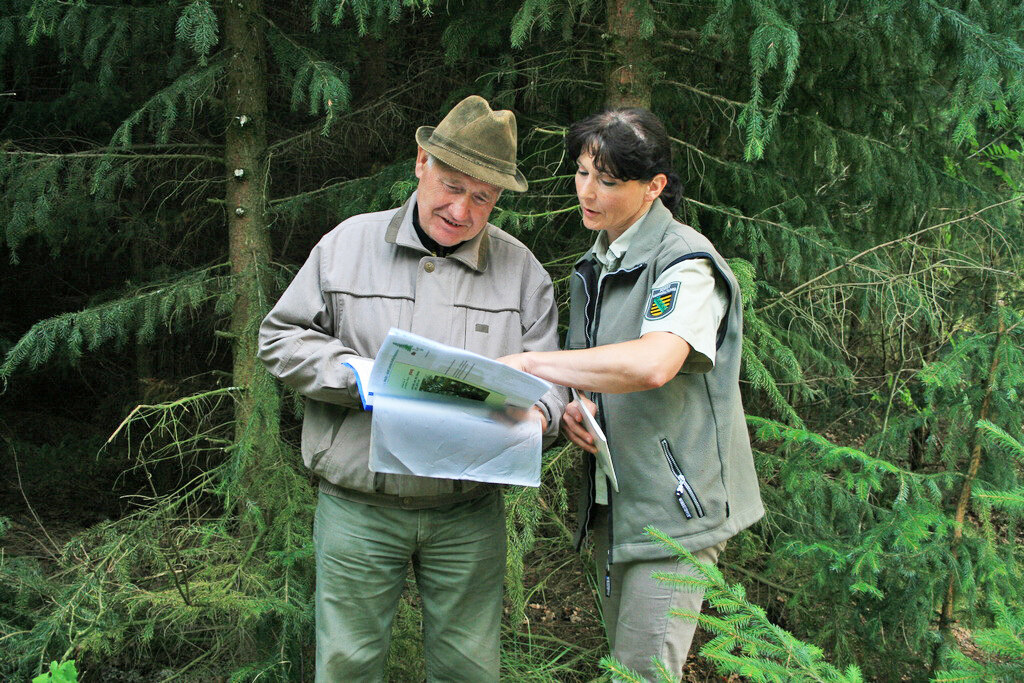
[440, 411]
[410, 365]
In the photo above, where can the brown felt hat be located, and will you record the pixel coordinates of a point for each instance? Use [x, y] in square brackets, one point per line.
[478, 141]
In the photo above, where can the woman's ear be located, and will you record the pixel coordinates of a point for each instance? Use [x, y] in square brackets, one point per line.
[655, 186]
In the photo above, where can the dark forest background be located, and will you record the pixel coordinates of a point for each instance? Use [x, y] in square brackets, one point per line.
[165, 166]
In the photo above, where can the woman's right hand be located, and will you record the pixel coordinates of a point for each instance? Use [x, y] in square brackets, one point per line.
[572, 424]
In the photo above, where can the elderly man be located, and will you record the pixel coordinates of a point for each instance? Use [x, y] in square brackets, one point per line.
[435, 267]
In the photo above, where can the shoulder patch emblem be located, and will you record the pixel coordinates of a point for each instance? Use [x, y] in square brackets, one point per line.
[663, 300]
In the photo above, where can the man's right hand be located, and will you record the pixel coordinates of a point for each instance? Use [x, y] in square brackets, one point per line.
[572, 424]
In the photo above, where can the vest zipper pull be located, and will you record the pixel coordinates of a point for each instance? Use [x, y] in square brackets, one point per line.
[682, 502]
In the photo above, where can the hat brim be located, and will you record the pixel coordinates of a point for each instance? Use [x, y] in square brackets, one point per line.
[516, 183]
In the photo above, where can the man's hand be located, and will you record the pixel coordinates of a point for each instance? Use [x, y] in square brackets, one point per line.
[537, 414]
[511, 415]
[572, 424]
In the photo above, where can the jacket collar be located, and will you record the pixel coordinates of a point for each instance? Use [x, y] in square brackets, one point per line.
[644, 243]
[472, 253]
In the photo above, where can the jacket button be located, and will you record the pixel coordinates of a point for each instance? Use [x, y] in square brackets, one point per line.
[429, 266]
[407, 501]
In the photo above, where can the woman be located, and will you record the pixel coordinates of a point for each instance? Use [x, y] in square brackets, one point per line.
[655, 337]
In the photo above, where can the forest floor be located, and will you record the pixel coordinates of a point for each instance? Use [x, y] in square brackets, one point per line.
[561, 637]
[563, 607]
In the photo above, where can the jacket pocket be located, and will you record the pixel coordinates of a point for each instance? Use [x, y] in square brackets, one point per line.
[492, 333]
[685, 494]
[363, 321]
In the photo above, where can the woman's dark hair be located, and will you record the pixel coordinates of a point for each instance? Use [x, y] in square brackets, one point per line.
[628, 144]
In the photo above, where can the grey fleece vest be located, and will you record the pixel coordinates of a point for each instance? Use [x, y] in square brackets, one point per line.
[681, 452]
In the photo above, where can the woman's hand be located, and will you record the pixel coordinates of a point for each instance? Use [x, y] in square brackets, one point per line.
[515, 360]
[511, 415]
[636, 365]
[572, 424]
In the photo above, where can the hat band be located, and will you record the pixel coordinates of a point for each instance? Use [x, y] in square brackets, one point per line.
[508, 168]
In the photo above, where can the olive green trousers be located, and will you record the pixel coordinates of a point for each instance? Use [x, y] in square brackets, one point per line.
[362, 557]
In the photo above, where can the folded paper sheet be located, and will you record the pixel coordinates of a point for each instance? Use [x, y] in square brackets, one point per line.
[603, 456]
[440, 411]
[454, 441]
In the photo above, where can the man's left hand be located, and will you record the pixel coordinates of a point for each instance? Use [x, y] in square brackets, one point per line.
[537, 414]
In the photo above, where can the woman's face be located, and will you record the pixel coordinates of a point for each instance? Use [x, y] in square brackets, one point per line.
[610, 204]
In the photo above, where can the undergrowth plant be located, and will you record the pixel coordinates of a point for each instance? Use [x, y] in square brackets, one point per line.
[884, 548]
[745, 642]
[202, 574]
[64, 672]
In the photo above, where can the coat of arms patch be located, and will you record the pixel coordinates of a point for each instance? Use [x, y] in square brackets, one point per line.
[663, 300]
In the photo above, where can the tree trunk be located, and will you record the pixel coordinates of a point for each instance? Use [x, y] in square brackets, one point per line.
[946, 614]
[256, 408]
[630, 71]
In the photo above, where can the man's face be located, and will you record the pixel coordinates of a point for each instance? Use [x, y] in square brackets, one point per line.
[453, 207]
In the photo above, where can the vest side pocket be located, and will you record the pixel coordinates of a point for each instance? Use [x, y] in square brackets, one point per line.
[683, 490]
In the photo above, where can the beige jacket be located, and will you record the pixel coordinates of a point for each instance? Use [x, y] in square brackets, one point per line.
[369, 274]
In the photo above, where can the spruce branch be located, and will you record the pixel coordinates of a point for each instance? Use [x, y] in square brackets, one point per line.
[319, 83]
[704, 154]
[384, 101]
[746, 642]
[311, 193]
[105, 153]
[169, 406]
[899, 240]
[114, 321]
[161, 107]
[733, 213]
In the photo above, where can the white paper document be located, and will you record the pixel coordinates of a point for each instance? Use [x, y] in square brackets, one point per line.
[440, 411]
[603, 455]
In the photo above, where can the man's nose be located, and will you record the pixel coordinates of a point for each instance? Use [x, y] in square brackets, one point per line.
[459, 208]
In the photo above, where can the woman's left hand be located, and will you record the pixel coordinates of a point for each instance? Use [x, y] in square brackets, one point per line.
[572, 424]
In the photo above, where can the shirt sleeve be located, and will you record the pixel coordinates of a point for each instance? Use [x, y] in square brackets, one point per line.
[690, 302]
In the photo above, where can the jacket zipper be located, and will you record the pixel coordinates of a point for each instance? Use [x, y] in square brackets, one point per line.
[683, 486]
[592, 483]
[589, 328]
[608, 560]
[586, 309]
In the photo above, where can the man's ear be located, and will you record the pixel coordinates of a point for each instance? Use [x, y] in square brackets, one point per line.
[421, 161]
